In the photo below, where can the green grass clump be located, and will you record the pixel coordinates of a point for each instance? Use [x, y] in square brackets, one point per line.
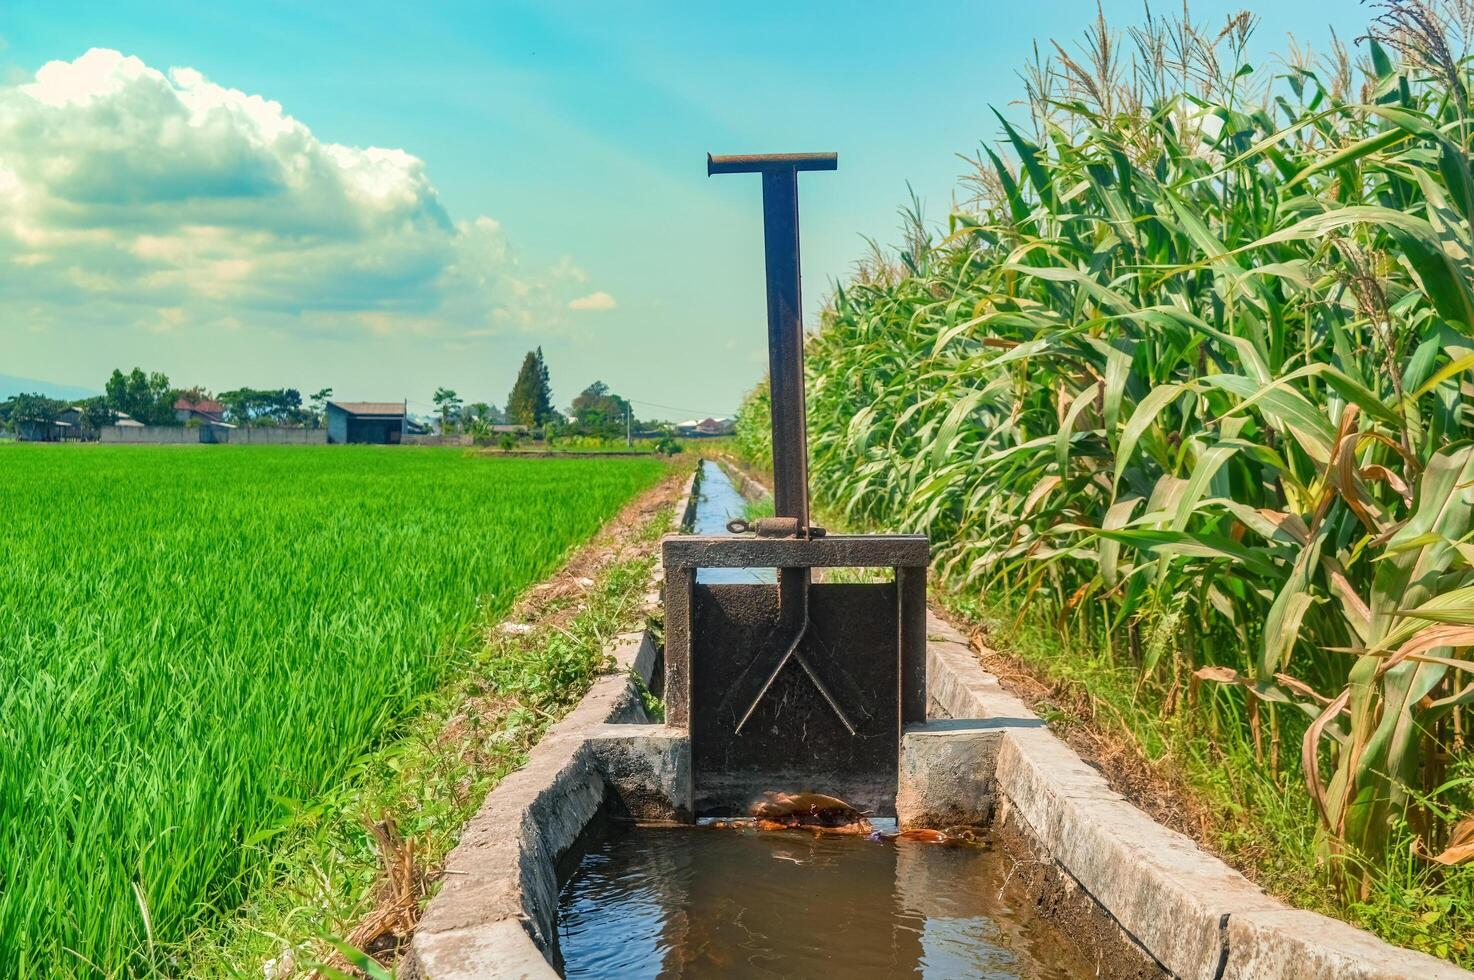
[197, 643]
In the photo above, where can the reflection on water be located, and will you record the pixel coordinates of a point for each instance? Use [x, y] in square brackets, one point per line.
[700, 902]
[719, 503]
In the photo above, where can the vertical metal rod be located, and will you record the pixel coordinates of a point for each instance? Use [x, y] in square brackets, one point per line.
[786, 377]
[786, 380]
[786, 346]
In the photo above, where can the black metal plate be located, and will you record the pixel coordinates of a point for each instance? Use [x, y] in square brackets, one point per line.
[794, 742]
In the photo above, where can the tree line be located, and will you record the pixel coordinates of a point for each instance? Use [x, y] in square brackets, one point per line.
[150, 398]
[596, 412]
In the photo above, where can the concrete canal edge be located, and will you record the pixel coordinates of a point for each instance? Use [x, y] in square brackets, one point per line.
[982, 756]
[747, 486]
[496, 912]
[1189, 911]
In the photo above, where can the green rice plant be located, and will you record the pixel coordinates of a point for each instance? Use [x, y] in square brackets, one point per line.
[197, 644]
[1190, 372]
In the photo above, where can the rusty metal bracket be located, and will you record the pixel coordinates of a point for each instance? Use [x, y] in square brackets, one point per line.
[772, 527]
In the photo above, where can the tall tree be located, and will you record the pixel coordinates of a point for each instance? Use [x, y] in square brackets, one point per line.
[531, 400]
[195, 395]
[320, 407]
[449, 404]
[264, 406]
[34, 407]
[146, 397]
[487, 413]
[599, 412]
[96, 412]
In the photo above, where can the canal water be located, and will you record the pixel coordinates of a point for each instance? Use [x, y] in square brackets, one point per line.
[706, 902]
[718, 503]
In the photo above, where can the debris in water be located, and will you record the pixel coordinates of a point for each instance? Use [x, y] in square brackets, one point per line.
[739, 824]
[813, 811]
[924, 835]
[968, 835]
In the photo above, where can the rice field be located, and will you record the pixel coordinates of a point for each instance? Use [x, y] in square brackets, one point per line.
[194, 644]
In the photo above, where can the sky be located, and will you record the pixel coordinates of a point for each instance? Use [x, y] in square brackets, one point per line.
[386, 198]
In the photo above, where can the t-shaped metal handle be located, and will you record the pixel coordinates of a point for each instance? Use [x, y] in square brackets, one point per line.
[754, 163]
[785, 318]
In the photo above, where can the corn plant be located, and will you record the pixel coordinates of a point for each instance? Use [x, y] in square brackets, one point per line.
[1190, 370]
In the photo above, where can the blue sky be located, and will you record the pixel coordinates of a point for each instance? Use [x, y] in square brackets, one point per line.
[550, 189]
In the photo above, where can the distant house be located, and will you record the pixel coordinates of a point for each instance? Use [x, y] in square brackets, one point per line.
[696, 428]
[205, 411]
[45, 430]
[70, 423]
[120, 420]
[76, 417]
[384, 423]
[75, 425]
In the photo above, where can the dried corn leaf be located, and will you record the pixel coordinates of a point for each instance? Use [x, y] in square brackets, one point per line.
[1460, 846]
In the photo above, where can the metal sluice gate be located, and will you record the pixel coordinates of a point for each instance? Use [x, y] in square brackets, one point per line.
[804, 687]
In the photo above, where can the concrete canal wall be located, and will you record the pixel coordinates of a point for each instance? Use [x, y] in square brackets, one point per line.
[189, 435]
[1188, 910]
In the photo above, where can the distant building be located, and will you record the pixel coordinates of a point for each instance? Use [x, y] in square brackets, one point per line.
[121, 420]
[70, 423]
[76, 417]
[204, 411]
[45, 430]
[696, 428]
[384, 423]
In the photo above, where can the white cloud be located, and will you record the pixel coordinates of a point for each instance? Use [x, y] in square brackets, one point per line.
[593, 303]
[163, 200]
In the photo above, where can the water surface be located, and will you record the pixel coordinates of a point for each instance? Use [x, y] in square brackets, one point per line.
[703, 902]
[718, 503]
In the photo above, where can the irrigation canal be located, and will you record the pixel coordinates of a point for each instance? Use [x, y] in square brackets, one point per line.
[709, 902]
[718, 503]
[705, 902]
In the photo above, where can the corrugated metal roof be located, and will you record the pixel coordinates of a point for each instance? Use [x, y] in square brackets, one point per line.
[371, 408]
